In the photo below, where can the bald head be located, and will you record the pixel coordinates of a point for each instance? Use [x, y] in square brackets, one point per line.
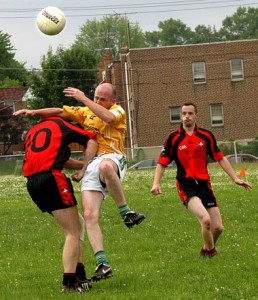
[105, 95]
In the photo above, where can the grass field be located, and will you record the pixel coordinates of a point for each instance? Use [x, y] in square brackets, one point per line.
[158, 259]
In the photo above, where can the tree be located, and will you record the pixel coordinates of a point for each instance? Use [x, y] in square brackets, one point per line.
[12, 73]
[152, 38]
[110, 33]
[243, 24]
[75, 66]
[203, 34]
[174, 32]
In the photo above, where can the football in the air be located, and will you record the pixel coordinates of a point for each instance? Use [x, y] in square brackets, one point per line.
[51, 20]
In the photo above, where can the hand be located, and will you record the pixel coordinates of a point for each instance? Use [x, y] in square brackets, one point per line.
[77, 176]
[156, 190]
[26, 112]
[246, 185]
[75, 93]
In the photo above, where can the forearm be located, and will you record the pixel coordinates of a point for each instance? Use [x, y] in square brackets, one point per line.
[48, 112]
[156, 189]
[226, 166]
[90, 153]
[158, 174]
[44, 112]
[74, 164]
[100, 111]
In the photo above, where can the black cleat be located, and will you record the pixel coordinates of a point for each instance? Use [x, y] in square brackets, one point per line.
[85, 285]
[131, 218]
[102, 271]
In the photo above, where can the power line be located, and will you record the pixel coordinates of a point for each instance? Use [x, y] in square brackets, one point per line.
[205, 5]
[129, 6]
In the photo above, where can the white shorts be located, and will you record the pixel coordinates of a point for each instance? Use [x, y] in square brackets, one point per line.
[91, 179]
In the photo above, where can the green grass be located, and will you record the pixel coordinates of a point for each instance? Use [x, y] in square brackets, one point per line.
[155, 260]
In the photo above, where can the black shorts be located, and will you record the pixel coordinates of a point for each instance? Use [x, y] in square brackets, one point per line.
[51, 190]
[188, 188]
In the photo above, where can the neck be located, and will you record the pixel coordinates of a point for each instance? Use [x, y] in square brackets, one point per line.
[189, 130]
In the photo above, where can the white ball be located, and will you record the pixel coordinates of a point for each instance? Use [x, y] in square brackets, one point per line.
[51, 20]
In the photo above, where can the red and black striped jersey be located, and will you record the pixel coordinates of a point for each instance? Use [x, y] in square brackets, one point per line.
[190, 152]
[47, 144]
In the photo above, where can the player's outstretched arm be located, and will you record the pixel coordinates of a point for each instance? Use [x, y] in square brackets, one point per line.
[226, 166]
[44, 112]
[25, 112]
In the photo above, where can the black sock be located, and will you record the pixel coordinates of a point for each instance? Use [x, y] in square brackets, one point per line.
[69, 279]
[80, 272]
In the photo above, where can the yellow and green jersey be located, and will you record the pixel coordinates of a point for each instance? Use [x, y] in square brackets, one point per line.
[110, 137]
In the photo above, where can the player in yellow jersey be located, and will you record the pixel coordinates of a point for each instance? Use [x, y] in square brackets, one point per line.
[104, 174]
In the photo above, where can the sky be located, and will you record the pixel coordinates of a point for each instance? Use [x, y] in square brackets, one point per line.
[18, 19]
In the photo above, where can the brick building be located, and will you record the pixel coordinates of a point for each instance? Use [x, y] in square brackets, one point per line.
[152, 84]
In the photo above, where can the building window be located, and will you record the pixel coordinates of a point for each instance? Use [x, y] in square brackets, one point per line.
[237, 70]
[217, 118]
[199, 73]
[175, 114]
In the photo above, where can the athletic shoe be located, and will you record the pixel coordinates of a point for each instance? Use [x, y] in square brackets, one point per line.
[85, 285]
[203, 252]
[131, 218]
[103, 271]
[212, 252]
[72, 289]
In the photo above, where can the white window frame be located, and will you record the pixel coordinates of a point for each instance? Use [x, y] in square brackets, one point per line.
[217, 114]
[199, 72]
[237, 69]
[175, 114]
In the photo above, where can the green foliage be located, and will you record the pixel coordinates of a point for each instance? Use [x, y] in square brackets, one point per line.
[110, 33]
[174, 32]
[205, 34]
[12, 72]
[152, 38]
[75, 66]
[7, 82]
[227, 148]
[243, 24]
[249, 148]
[159, 259]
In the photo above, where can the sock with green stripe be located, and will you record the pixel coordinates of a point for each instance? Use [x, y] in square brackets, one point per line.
[101, 257]
[123, 209]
